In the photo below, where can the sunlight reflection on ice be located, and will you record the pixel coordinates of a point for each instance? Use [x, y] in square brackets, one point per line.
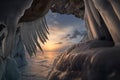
[38, 66]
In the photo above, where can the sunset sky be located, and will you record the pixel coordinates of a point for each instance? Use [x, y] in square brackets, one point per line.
[65, 30]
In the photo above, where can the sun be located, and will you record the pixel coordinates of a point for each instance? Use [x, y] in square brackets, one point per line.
[51, 46]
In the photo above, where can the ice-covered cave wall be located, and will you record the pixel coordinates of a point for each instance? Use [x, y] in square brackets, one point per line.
[20, 11]
[9, 68]
[99, 57]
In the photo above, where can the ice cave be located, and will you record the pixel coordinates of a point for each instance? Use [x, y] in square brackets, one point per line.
[24, 29]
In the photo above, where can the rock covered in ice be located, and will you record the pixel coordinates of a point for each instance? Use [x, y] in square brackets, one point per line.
[9, 67]
[75, 7]
[2, 68]
[11, 71]
[87, 62]
[19, 51]
[38, 9]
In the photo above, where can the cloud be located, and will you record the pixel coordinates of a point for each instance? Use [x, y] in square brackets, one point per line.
[59, 43]
[66, 37]
[75, 34]
[55, 22]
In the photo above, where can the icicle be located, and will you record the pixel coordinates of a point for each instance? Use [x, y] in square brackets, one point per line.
[33, 31]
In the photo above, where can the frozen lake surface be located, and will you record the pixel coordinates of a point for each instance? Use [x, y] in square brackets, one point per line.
[38, 67]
